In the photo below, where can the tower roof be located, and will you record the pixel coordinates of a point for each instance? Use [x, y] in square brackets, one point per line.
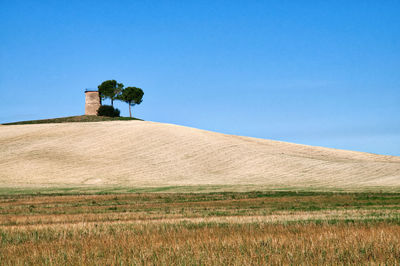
[91, 90]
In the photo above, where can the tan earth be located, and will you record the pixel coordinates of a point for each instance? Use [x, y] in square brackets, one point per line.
[142, 154]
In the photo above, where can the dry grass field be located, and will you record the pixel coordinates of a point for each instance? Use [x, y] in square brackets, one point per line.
[200, 228]
[143, 154]
[136, 192]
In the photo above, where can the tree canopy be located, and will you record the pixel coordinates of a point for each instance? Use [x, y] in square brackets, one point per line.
[132, 96]
[110, 89]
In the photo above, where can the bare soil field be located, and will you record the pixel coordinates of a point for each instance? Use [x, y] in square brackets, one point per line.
[149, 154]
[250, 228]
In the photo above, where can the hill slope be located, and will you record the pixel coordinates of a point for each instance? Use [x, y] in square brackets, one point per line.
[136, 153]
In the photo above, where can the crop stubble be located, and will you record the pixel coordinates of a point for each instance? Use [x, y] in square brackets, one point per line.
[204, 228]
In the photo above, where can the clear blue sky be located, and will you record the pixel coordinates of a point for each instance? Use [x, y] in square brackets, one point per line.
[323, 73]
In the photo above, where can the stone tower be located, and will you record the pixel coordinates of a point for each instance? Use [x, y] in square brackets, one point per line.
[92, 102]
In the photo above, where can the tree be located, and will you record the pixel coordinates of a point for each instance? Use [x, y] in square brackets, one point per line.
[108, 110]
[110, 89]
[132, 96]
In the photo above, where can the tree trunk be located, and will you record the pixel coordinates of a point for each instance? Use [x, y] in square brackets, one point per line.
[112, 102]
[130, 113]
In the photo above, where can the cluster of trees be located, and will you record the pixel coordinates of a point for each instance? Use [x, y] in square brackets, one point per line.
[115, 91]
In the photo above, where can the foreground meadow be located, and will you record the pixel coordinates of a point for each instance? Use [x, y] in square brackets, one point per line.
[200, 228]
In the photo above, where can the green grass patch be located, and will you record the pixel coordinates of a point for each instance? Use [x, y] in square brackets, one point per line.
[70, 119]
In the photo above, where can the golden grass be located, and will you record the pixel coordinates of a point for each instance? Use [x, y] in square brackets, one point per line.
[206, 228]
[206, 243]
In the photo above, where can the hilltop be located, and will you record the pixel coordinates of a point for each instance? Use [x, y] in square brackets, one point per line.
[69, 119]
[150, 154]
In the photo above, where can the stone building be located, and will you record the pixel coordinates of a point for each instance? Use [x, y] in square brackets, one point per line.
[92, 102]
